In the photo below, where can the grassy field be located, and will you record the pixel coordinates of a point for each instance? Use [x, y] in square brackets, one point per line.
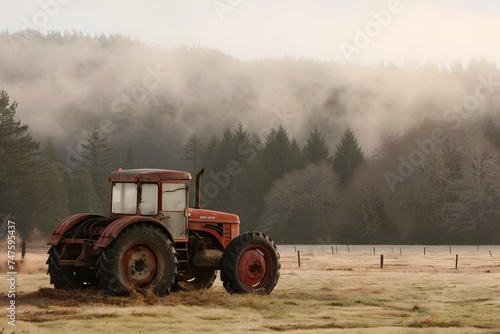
[344, 292]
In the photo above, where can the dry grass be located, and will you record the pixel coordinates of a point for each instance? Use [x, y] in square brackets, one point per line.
[341, 293]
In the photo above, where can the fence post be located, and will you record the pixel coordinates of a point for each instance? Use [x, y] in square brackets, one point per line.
[298, 257]
[23, 249]
[456, 262]
[381, 261]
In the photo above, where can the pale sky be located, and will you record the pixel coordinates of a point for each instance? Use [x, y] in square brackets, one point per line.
[367, 31]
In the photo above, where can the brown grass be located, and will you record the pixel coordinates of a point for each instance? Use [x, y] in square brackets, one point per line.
[341, 293]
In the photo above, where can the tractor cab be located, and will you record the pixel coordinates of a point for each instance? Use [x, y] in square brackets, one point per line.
[160, 194]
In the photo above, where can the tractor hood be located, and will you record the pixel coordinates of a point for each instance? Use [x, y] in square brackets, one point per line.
[202, 215]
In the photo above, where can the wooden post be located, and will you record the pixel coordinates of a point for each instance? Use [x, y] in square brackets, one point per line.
[373, 250]
[456, 262]
[478, 248]
[332, 250]
[424, 250]
[348, 251]
[381, 261]
[450, 249]
[23, 249]
[298, 257]
[400, 251]
[491, 254]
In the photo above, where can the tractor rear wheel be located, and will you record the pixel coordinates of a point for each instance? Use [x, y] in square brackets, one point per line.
[140, 258]
[198, 278]
[250, 264]
[68, 277]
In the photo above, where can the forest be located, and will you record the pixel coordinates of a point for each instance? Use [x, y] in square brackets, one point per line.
[310, 152]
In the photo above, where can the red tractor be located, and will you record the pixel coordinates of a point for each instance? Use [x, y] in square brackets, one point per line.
[153, 241]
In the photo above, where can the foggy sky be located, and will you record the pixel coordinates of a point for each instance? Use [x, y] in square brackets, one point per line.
[64, 89]
[437, 31]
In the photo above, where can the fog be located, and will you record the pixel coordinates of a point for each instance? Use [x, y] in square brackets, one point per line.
[154, 99]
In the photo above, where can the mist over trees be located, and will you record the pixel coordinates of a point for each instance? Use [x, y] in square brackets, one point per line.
[307, 151]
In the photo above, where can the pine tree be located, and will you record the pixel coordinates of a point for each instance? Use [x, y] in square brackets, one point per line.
[295, 157]
[94, 159]
[52, 203]
[316, 149]
[276, 153]
[130, 161]
[492, 130]
[219, 194]
[19, 168]
[192, 153]
[83, 197]
[347, 157]
[210, 150]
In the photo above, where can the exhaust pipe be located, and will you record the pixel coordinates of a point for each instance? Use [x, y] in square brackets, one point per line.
[198, 188]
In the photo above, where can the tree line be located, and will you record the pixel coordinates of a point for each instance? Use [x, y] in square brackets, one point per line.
[435, 183]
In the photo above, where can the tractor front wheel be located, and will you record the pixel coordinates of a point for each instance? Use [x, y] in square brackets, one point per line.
[250, 264]
[140, 258]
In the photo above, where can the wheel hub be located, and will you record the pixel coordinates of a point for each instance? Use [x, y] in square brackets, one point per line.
[139, 266]
[252, 267]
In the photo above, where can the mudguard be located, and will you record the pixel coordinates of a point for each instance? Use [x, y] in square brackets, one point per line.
[114, 229]
[67, 223]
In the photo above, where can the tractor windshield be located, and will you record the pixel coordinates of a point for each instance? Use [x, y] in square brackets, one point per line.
[124, 199]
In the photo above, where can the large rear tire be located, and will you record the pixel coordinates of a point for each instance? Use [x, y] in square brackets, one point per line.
[68, 277]
[251, 264]
[140, 258]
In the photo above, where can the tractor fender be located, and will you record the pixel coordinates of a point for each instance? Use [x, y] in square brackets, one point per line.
[67, 223]
[114, 229]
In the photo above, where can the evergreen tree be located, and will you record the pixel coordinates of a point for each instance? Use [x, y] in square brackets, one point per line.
[241, 142]
[130, 161]
[316, 149]
[276, 153]
[216, 188]
[209, 153]
[347, 157]
[295, 157]
[94, 159]
[83, 197]
[52, 203]
[19, 168]
[493, 131]
[193, 153]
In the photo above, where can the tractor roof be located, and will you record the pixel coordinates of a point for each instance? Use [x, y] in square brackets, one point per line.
[148, 174]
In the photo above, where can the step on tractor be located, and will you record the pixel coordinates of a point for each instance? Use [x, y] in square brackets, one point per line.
[153, 241]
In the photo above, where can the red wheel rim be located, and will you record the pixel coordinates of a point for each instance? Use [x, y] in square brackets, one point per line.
[139, 266]
[254, 267]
